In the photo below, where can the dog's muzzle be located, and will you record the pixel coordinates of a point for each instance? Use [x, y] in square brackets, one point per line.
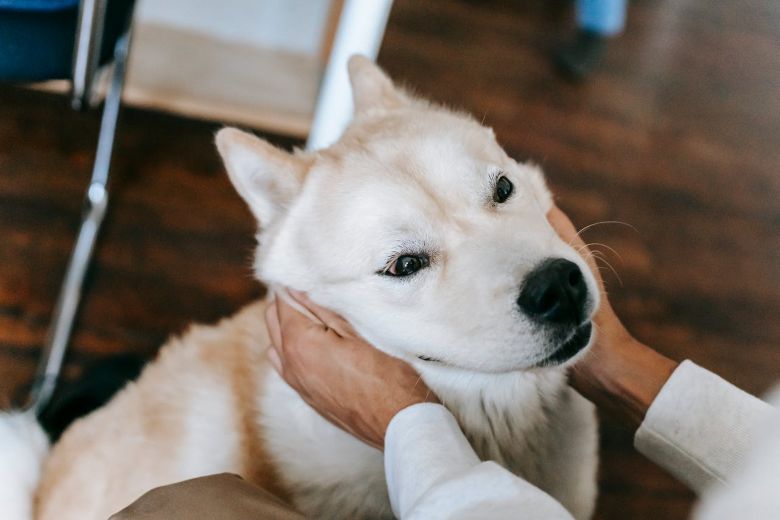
[555, 296]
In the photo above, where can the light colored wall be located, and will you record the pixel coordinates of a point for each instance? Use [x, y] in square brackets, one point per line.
[292, 25]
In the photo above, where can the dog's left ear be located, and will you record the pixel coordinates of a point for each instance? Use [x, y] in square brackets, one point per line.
[371, 88]
[267, 177]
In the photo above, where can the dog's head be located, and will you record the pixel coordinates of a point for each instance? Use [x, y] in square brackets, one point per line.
[420, 230]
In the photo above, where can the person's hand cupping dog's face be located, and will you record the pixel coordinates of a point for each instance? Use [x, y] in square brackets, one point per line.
[350, 383]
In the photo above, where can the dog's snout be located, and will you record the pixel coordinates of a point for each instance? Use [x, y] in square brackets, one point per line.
[554, 292]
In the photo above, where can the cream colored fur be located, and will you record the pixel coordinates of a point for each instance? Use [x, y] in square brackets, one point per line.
[406, 176]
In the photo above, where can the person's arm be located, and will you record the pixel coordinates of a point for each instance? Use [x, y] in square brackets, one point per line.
[689, 421]
[700, 427]
[752, 491]
[619, 374]
[432, 471]
[214, 497]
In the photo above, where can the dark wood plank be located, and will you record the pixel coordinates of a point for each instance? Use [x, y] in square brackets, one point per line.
[677, 134]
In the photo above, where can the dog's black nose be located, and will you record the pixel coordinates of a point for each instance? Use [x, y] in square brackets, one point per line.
[554, 292]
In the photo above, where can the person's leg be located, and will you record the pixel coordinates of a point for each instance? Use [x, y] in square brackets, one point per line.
[603, 17]
[597, 20]
[216, 497]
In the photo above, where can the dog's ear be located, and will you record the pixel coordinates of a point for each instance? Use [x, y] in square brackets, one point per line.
[266, 177]
[371, 88]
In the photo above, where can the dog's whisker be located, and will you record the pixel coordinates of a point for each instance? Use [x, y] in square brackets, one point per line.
[419, 378]
[606, 262]
[606, 222]
[601, 244]
[581, 248]
[591, 254]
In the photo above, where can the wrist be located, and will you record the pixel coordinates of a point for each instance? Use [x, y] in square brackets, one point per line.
[624, 379]
[429, 398]
[635, 380]
[411, 412]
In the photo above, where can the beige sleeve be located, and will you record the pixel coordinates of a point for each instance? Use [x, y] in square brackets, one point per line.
[700, 427]
[216, 497]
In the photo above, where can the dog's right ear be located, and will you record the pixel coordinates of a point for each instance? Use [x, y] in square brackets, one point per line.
[371, 88]
[266, 177]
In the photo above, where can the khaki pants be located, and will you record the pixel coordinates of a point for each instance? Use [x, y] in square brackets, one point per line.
[218, 497]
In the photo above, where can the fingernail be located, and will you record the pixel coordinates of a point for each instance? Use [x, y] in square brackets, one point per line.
[298, 295]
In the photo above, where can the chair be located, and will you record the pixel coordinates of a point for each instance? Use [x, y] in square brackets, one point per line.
[70, 39]
[67, 39]
[360, 30]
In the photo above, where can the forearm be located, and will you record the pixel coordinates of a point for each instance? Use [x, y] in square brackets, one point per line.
[432, 472]
[624, 381]
[701, 427]
[689, 421]
[215, 497]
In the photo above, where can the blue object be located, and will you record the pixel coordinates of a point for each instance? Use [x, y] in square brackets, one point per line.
[38, 5]
[37, 37]
[603, 17]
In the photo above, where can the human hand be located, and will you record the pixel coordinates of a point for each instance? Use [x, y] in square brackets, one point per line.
[347, 381]
[611, 333]
[619, 374]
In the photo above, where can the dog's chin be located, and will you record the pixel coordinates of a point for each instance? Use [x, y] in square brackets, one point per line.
[567, 351]
[578, 342]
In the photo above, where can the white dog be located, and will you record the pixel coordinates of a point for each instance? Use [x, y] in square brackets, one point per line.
[433, 243]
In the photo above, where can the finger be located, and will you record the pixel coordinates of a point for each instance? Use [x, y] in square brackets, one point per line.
[272, 324]
[293, 323]
[329, 318]
[563, 226]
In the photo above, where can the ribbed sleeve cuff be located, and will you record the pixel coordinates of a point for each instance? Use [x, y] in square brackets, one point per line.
[700, 427]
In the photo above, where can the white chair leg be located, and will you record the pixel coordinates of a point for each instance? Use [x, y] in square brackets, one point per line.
[360, 31]
[96, 201]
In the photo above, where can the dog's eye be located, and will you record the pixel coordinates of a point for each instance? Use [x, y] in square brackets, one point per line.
[504, 189]
[406, 265]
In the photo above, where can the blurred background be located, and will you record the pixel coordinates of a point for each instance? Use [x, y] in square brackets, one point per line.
[674, 128]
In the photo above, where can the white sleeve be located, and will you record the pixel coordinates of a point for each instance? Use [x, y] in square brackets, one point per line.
[433, 473]
[700, 427]
[752, 492]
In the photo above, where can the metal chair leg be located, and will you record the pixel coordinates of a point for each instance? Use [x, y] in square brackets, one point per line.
[86, 52]
[96, 201]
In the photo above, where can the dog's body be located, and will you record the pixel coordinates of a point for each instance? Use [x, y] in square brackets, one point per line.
[406, 181]
[210, 404]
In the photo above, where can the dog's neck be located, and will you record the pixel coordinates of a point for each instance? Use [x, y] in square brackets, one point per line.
[474, 395]
[499, 413]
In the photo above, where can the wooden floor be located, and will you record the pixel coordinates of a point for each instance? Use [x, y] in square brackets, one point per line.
[678, 134]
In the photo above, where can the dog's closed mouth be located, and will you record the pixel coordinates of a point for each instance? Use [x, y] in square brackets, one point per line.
[571, 346]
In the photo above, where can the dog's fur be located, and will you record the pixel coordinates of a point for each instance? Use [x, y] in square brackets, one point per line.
[406, 177]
